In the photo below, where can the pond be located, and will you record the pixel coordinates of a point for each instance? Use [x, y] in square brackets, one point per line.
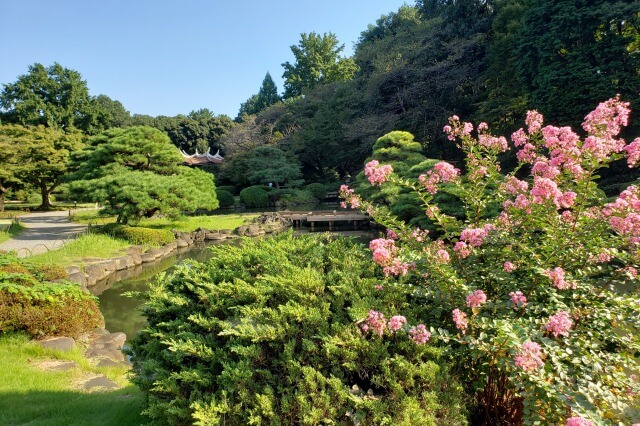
[121, 312]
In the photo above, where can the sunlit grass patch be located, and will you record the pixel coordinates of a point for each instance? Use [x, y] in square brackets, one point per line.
[92, 245]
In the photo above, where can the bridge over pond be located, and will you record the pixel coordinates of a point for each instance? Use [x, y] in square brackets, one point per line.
[325, 217]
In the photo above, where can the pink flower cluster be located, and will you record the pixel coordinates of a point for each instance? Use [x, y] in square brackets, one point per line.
[559, 324]
[608, 118]
[396, 323]
[624, 214]
[557, 278]
[518, 299]
[633, 152]
[462, 249]
[515, 186]
[375, 322]
[419, 334]
[441, 172]
[477, 298]
[384, 252]
[475, 236]
[529, 356]
[496, 143]
[457, 129]
[578, 421]
[442, 256]
[545, 189]
[349, 196]
[509, 267]
[534, 121]
[460, 319]
[376, 173]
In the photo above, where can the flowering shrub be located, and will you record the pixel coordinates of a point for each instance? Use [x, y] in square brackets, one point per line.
[538, 305]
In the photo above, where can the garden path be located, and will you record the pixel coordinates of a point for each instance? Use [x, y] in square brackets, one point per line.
[44, 231]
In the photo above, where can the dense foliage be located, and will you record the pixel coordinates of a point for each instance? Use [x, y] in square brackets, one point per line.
[136, 173]
[265, 334]
[254, 196]
[137, 234]
[538, 305]
[225, 198]
[31, 302]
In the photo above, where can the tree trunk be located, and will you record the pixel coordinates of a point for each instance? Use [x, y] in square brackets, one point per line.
[1, 201]
[44, 192]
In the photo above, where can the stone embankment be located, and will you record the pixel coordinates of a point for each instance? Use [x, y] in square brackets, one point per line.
[95, 271]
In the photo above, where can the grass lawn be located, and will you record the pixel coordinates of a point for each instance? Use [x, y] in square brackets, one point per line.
[29, 395]
[9, 229]
[92, 245]
[184, 224]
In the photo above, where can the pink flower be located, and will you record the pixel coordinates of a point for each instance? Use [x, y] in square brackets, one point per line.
[515, 186]
[396, 323]
[559, 324]
[527, 154]
[443, 256]
[477, 298]
[518, 299]
[349, 196]
[483, 127]
[608, 118]
[578, 421]
[498, 144]
[441, 172]
[396, 268]
[375, 322]
[376, 173]
[534, 121]
[633, 152]
[519, 137]
[557, 278]
[419, 334]
[544, 189]
[462, 249]
[603, 257]
[509, 267]
[566, 200]
[391, 234]
[475, 236]
[383, 250]
[460, 319]
[529, 356]
[343, 205]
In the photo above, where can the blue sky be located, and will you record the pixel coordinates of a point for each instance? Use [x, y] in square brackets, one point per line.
[168, 57]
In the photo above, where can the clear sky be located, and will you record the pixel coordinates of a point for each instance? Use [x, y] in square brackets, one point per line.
[169, 57]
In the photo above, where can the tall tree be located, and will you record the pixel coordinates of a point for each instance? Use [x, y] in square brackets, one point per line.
[55, 97]
[572, 53]
[317, 61]
[136, 172]
[271, 165]
[267, 96]
[12, 161]
[42, 154]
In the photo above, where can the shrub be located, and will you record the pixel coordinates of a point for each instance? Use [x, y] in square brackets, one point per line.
[265, 334]
[225, 198]
[292, 197]
[32, 304]
[318, 190]
[254, 196]
[229, 188]
[137, 234]
[534, 297]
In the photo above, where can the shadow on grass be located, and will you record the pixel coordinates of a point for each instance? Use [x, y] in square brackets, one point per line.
[52, 408]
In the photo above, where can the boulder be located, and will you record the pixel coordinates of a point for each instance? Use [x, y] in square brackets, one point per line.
[182, 243]
[124, 263]
[136, 258]
[212, 235]
[58, 343]
[73, 269]
[80, 278]
[99, 382]
[147, 257]
[225, 231]
[241, 230]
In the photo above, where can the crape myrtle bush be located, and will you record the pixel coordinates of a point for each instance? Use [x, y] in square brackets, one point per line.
[538, 305]
[137, 234]
[266, 333]
[29, 302]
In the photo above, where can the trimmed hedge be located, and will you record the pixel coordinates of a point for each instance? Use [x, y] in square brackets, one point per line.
[137, 234]
[318, 190]
[225, 198]
[30, 303]
[268, 333]
[254, 196]
[229, 188]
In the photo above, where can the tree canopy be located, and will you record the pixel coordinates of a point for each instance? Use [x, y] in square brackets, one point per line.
[317, 61]
[271, 165]
[267, 95]
[136, 172]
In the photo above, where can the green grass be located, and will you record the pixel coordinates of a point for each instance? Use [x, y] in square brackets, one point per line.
[184, 224]
[32, 396]
[92, 245]
[9, 230]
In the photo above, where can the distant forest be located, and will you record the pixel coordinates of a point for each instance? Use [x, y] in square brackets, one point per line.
[483, 60]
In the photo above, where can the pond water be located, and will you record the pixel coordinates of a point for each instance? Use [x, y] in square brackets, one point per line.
[121, 312]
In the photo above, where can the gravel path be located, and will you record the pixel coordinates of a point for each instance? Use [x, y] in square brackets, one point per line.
[45, 231]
